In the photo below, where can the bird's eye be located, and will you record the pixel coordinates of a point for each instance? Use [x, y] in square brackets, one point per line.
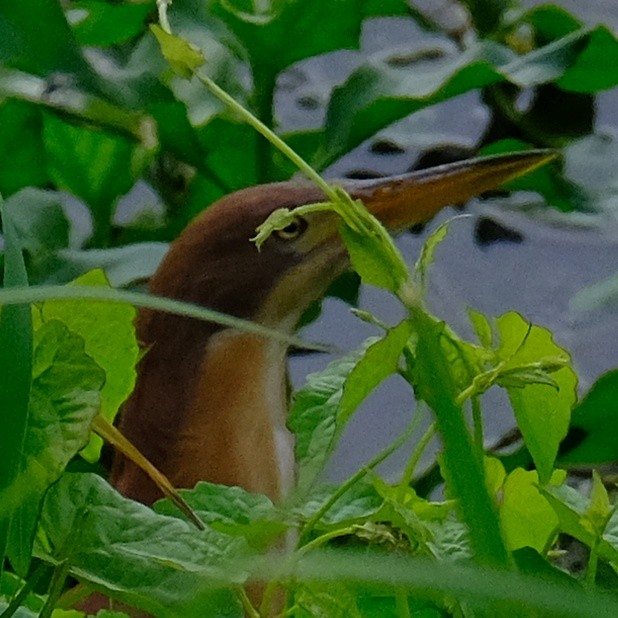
[293, 230]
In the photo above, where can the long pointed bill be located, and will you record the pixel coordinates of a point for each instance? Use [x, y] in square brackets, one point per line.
[406, 200]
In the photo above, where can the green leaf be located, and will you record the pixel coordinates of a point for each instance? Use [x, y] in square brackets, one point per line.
[123, 266]
[596, 67]
[359, 503]
[64, 398]
[33, 603]
[595, 418]
[494, 592]
[551, 22]
[428, 251]
[58, 92]
[322, 408]
[233, 511]
[377, 94]
[230, 153]
[176, 133]
[374, 258]
[103, 24]
[183, 57]
[571, 508]
[430, 527]
[542, 411]
[42, 51]
[95, 166]
[315, 27]
[380, 360]
[527, 518]
[109, 339]
[599, 510]
[21, 163]
[530, 562]
[15, 379]
[42, 227]
[159, 564]
[487, 14]
[482, 327]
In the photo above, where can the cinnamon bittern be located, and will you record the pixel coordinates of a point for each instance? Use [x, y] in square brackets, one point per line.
[211, 402]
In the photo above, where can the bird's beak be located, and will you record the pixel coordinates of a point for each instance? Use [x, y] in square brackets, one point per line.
[402, 201]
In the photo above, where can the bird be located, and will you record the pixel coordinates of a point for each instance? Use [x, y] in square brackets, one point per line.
[210, 402]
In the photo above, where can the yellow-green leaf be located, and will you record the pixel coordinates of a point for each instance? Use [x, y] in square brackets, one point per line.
[183, 57]
[109, 336]
[543, 410]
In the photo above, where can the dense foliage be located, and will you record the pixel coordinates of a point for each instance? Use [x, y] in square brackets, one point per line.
[110, 95]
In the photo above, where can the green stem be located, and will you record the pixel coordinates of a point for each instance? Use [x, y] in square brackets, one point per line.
[56, 585]
[275, 582]
[162, 10]
[274, 139]
[410, 469]
[18, 600]
[463, 468]
[477, 424]
[324, 538]
[593, 562]
[247, 606]
[401, 601]
[355, 478]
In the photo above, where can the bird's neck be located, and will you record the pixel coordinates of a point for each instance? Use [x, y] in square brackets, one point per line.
[225, 422]
[234, 430]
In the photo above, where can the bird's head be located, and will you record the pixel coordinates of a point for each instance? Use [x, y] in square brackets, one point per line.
[214, 262]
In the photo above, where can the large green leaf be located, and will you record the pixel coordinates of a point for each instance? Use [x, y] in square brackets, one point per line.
[267, 30]
[595, 424]
[322, 408]
[377, 93]
[98, 167]
[527, 518]
[42, 226]
[124, 266]
[59, 92]
[21, 148]
[230, 153]
[99, 23]
[15, 376]
[64, 398]
[360, 502]
[109, 338]
[542, 404]
[550, 22]
[231, 510]
[157, 563]
[574, 516]
[25, 45]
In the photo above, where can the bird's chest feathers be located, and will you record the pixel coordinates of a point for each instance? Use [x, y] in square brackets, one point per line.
[234, 430]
